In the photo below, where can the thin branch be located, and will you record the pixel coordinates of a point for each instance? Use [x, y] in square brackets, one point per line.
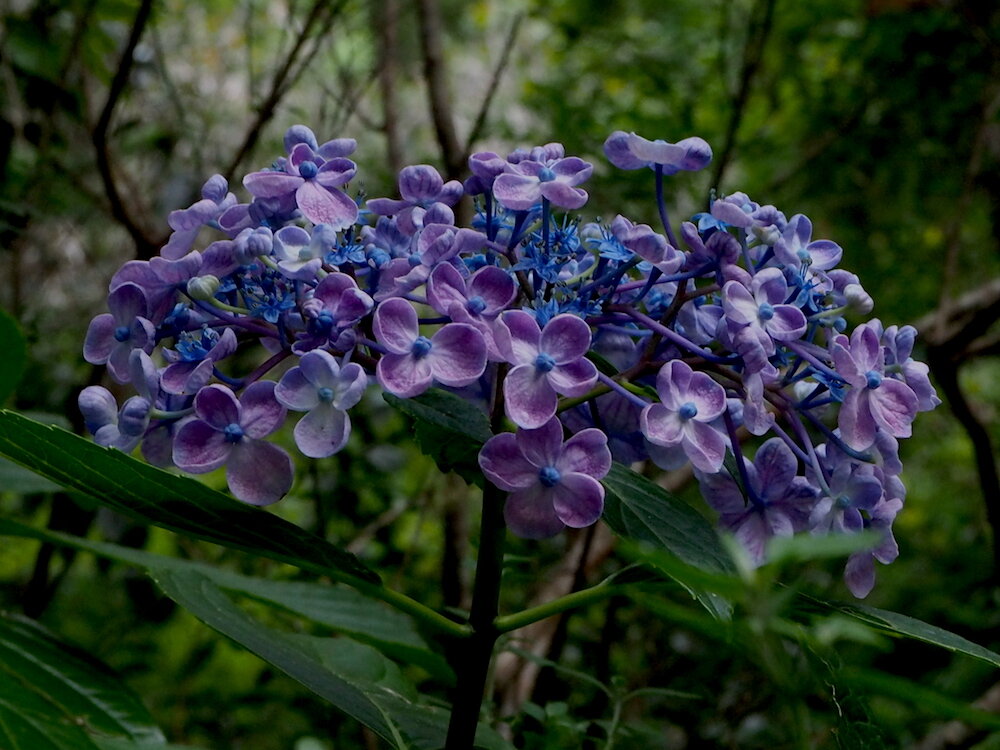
[753, 52]
[435, 74]
[146, 245]
[388, 72]
[491, 89]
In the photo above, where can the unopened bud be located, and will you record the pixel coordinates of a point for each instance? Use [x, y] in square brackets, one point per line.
[858, 300]
[203, 287]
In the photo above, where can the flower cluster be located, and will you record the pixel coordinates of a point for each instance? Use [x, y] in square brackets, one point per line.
[598, 342]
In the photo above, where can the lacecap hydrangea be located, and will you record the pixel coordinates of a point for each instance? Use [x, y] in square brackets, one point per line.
[608, 341]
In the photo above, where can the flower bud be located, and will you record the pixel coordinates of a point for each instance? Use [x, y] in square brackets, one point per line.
[203, 287]
[858, 300]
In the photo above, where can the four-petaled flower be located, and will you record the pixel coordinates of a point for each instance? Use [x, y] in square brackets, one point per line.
[528, 182]
[551, 484]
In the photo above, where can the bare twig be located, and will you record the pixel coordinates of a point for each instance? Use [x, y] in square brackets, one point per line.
[494, 84]
[387, 24]
[146, 245]
[435, 74]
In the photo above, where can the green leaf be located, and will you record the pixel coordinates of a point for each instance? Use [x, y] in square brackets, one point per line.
[449, 429]
[638, 509]
[341, 609]
[150, 495]
[14, 478]
[14, 359]
[355, 678]
[54, 696]
[896, 624]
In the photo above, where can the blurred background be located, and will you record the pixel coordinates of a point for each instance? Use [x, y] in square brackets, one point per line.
[878, 119]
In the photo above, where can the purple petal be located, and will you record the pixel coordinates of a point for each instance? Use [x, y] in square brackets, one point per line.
[529, 513]
[574, 378]
[504, 464]
[419, 182]
[578, 500]
[127, 302]
[587, 453]
[752, 534]
[446, 287]
[893, 405]
[269, 184]
[259, 473]
[495, 286]
[775, 466]
[517, 192]
[707, 395]
[859, 574]
[199, 447]
[617, 149]
[739, 305]
[731, 214]
[565, 338]
[697, 153]
[656, 152]
[541, 447]
[857, 426]
[528, 398]
[517, 337]
[261, 412]
[704, 445]
[825, 254]
[326, 205]
[404, 375]
[295, 391]
[458, 354]
[788, 323]
[100, 339]
[336, 172]
[563, 195]
[672, 380]
[323, 431]
[395, 325]
[98, 407]
[661, 425]
[218, 406]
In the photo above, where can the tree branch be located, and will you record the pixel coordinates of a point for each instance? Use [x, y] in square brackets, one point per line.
[435, 74]
[491, 89]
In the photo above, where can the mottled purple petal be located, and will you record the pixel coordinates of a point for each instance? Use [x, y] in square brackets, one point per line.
[504, 464]
[661, 425]
[617, 149]
[100, 339]
[269, 184]
[563, 195]
[261, 412]
[326, 206]
[295, 391]
[528, 398]
[517, 337]
[574, 378]
[704, 445]
[127, 302]
[419, 182]
[541, 446]
[775, 466]
[578, 500]
[893, 405]
[199, 447]
[446, 287]
[259, 473]
[395, 325]
[404, 375]
[565, 338]
[98, 407]
[857, 426]
[218, 406]
[707, 395]
[458, 354]
[788, 323]
[586, 453]
[517, 192]
[529, 513]
[323, 431]
[656, 152]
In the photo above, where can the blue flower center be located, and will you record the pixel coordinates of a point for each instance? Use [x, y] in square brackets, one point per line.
[874, 379]
[305, 253]
[688, 411]
[804, 255]
[421, 345]
[843, 502]
[549, 476]
[122, 333]
[323, 323]
[475, 305]
[544, 362]
[308, 169]
[233, 433]
[413, 260]
[325, 395]
[546, 175]
[765, 311]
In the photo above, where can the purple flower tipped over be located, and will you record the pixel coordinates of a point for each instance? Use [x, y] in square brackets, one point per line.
[552, 484]
[631, 151]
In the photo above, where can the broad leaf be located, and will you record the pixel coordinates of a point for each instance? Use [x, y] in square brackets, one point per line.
[359, 681]
[150, 495]
[341, 609]
[54, 696]
[15, 356]
[449, 429]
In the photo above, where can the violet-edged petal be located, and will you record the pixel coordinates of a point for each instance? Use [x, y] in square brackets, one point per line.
[529, 513]
[857, 426]
[655, 152]
[98, 407]
[697, 153]
[704, 445]
[419, 182]
[404, 375]
[517, 192]
[574, 378]
[752, 533]
[326, 205]
[218, 406]
[563, 195]
[708, 396]
[775, 467]
[529, 400]
[336, 172]
[269, 184]
[671, 381]
[494, 286]
[825, 254]
[446, 287]
[395, 325]
[323, 431]
[261, 412]
[458, 354]
[127, 302]
[259, 473]
[199, 447]
[350, 387]
[722, 494]
[661, 425]
[619, 153]
[294, 391]
[731, 214]
[504, 464]
[788, 323]
[578, 500]
[587, 453]
[517, 337]
[893, 405]
[739, 305]
[565, 338]
[100, 339]
[541, 446]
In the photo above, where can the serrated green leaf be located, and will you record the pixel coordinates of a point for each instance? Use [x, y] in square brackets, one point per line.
[367, 687]
[54, 696]
[183, 505]
[15, 356]
[341, 609]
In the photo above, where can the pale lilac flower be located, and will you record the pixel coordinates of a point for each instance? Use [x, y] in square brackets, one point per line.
[325, 390]
[187, 222]
[230, 431]
[797, 249]
[423, 192]
[193, 360]
[300, 254]
[762, 311]
[331, 313]
[874, 401]
[546, 363]
[455, 355]
[777, 502]
[111, 337]
[631, 151]
[526, 183]
[552, 484]
[477, 301]
[689, 402]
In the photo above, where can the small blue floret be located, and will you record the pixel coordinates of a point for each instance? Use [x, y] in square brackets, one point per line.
[544, 362]
[475, 305]
[233, 433]
[421, 345]
[308, 170]
[688, 411]
[874, 379]
[122, 333]
[765, 311]
[546, 175]
[549, 476]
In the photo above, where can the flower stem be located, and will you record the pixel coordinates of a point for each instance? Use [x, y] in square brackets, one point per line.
[522, 619]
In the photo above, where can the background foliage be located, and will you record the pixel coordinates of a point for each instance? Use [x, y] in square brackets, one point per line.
[878, 119]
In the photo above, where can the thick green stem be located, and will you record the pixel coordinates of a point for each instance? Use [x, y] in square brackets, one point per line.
[475, 653]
